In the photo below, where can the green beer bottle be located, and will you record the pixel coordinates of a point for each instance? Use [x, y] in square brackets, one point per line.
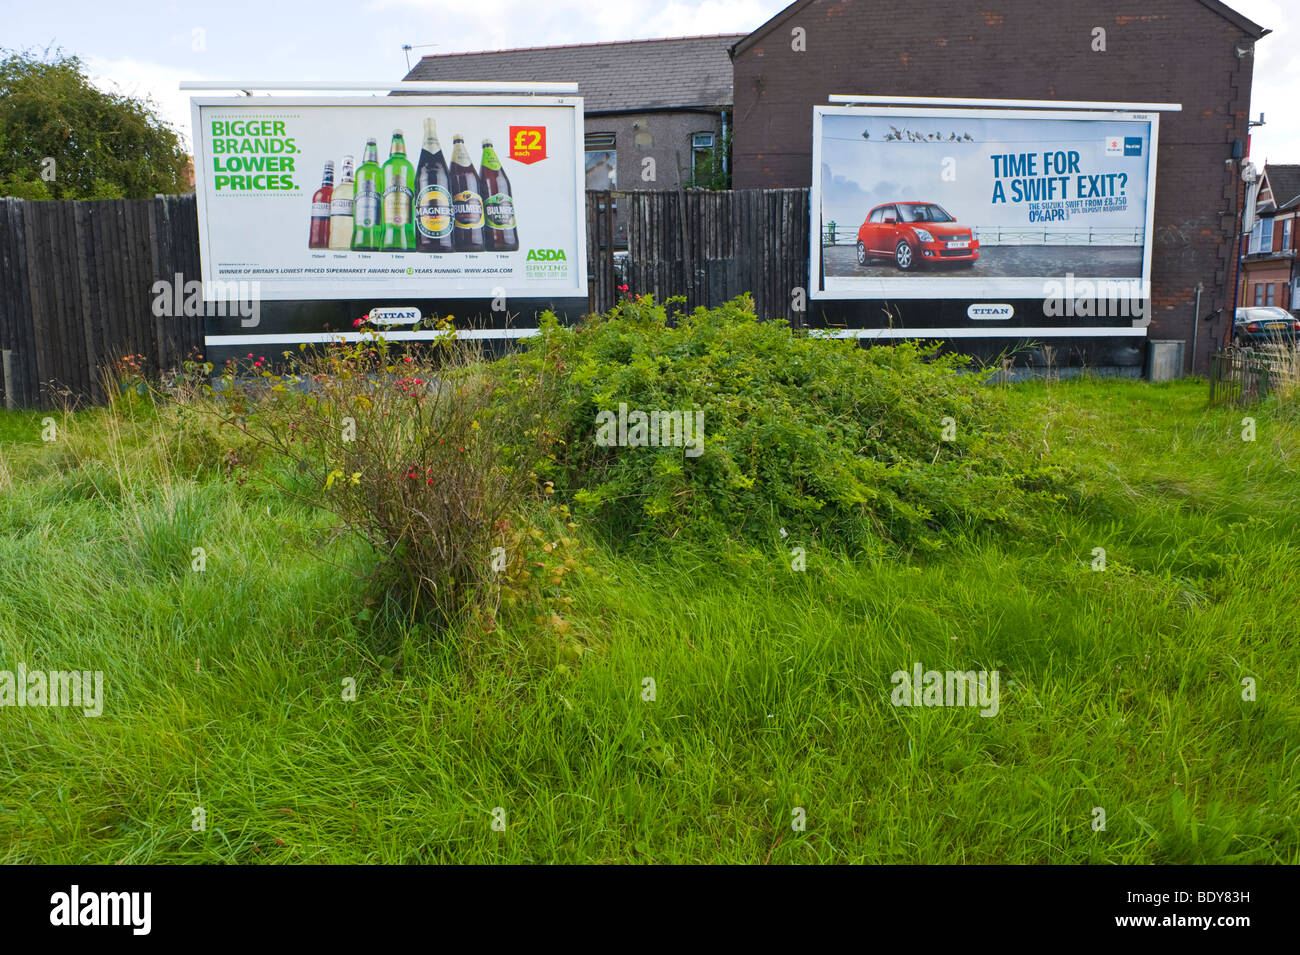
[399, 196]
[367, 222]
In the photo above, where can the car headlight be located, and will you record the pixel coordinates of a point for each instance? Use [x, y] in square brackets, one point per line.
[924, 236]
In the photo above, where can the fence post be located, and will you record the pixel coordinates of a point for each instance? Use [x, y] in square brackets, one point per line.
[7, 371]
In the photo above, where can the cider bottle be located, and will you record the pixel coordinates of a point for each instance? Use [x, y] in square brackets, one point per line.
[466, 199]
[499, 233]
[399, 195]
[367, 230]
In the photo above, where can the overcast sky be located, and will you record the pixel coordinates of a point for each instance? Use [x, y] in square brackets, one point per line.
[147, 48]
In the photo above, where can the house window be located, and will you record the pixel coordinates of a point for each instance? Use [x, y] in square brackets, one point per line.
[1268, 294]
[1259, 294]
[1286, 234]
[602, 161]
[701, 156]
[1265, 235]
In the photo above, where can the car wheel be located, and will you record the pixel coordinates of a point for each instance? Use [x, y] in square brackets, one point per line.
[903, 255]
[862, 254]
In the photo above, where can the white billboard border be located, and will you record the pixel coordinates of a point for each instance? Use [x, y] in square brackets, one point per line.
[352, 293]
[974, 289]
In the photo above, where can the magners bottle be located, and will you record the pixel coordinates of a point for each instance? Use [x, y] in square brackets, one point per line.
[466, 199]
[399, 198]
[367, 226]
[318, 237]
[433, 220]
[499, 232]
[341, 209]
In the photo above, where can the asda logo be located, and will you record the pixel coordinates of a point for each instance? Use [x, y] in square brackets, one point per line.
[545, 255]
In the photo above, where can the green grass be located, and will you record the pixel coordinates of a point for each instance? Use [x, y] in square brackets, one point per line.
[1120, 689]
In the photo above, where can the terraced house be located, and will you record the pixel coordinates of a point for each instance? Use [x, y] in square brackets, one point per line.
[1268, 257]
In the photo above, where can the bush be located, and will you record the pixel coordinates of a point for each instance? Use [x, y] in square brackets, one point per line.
[819, 437]
[408, 447]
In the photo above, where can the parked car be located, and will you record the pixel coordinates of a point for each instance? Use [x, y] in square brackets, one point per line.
[1264, 325]
[914, 232]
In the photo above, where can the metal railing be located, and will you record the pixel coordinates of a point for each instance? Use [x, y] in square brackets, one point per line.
[1243, 376]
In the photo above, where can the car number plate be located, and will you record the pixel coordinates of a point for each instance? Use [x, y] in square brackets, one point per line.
[958, 245]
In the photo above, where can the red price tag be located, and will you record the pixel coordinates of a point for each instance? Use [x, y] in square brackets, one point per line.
[527, 143]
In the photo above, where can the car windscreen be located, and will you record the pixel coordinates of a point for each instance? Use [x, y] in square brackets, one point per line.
[1264, 314]
[922, 212]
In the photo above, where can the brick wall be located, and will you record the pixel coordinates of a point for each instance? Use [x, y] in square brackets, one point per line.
[1176, 51]
[664, 137]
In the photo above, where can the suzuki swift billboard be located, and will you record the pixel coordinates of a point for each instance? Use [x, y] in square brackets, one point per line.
[981, 204]
[422, 197]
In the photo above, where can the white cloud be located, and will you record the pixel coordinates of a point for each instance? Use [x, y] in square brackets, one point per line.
[498, 24]
[1273, 85]
[506, 24]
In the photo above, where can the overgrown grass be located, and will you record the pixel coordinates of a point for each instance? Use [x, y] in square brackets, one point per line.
[1121, 689]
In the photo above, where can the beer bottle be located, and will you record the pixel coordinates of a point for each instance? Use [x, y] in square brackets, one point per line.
[318, 237]
[399, 195]
[341, 209]
[499, 232]
[433, 222]
[366, 226]
[466, 199]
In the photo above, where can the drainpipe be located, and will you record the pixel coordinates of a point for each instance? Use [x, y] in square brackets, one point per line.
[723, 144]
[1249, 176]
[1196, 322]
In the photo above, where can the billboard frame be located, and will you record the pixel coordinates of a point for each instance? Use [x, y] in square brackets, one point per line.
[975, 289]
[328, 290]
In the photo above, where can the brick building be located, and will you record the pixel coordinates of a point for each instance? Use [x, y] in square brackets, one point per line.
[1198, 53]
[1269, 275]
[664, 100]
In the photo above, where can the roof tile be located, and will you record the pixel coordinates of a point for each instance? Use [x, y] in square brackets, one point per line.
[636, 75]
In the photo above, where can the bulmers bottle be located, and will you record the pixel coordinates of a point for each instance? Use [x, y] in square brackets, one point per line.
[499, 231]
[399, 198]
[433, 220]
[466, 199]
[318, 237]
[367, 229]
[341, 209]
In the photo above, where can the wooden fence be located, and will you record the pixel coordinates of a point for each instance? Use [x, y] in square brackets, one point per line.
[77, 292]
[77, 277]
[707, 246]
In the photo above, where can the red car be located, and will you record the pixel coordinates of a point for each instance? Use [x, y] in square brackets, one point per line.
[912, 232]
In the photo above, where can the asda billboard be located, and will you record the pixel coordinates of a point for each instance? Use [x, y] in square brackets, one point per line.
[410, 198]
[982, 205]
